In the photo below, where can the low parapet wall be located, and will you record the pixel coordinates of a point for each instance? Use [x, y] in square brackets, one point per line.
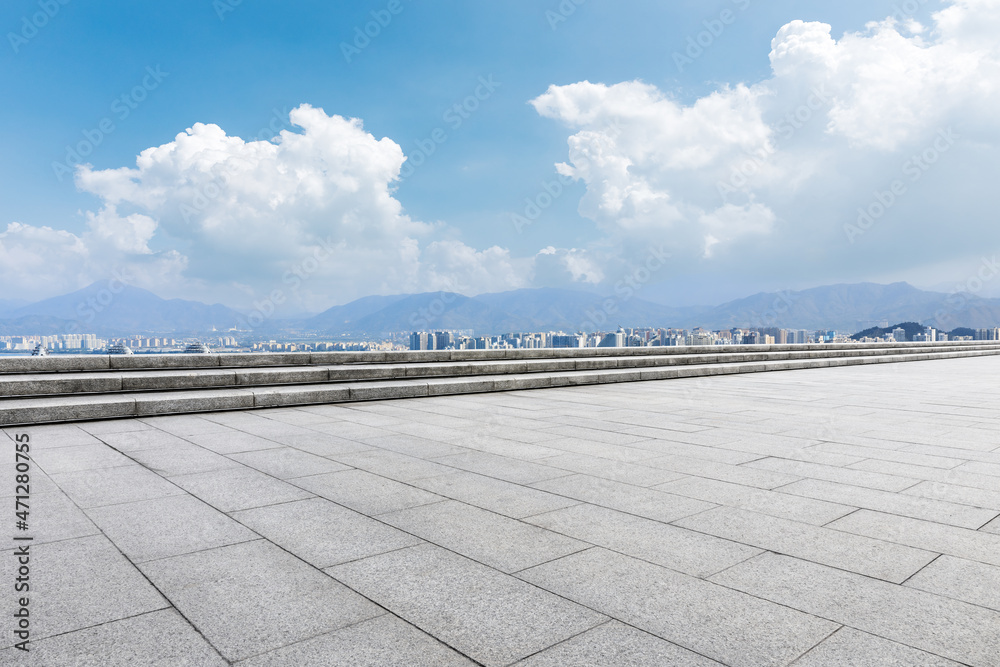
[108, 362]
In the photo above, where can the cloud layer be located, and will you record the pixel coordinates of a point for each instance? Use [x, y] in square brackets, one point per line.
[870, 156]
[761, 179]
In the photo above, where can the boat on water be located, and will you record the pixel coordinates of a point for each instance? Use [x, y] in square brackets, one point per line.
[39, 351]
[196, 348]
[119, 349]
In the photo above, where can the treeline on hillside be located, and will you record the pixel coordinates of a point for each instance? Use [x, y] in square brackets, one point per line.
[911, 328]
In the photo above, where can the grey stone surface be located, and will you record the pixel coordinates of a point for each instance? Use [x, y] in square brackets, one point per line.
[782, 505]
[75, 584]
[670, 546]
[288, 462]
[239, 488]
[956, 493]
[82, 457]
[852, 647]
[722, 624]
[111, 486]
[323, 533]
[160, 638]
[892, 503]
[870, 480]
[949, 628]
[493, 618]
[502, 543]
[162, 527]
[746, 475]
[495, 495]
[188, 459]
[232, 442]
[501, 467]
[937, 537]
[144, 438]
[253, 597]
[615, 644]
[365, 492]
[378, 642]
[961, 579]
[393, 465]
[53, 517]
[874, 557]
[649, 503]
[617, 471]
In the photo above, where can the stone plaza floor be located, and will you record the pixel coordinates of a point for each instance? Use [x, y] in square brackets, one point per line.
[842, 516]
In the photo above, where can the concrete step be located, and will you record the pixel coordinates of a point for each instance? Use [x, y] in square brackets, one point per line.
[99, 382]
[313, 389]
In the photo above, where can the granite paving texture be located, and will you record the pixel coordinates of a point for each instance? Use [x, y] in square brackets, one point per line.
[834, 516]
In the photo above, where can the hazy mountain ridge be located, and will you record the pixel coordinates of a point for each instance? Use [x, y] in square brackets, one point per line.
[847, 308]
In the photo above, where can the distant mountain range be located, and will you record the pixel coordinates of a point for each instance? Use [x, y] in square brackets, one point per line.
[847, 308]
[97, 309]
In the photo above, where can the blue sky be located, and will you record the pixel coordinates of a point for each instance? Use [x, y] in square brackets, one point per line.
[245, 66]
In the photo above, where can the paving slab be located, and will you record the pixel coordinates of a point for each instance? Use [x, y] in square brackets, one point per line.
[365, 492]
[400, 467]
[949, 628]
[78, 583]
[941, 538]
[782, 505]
[615, 644]
[649, 503]
[381, 641]
[670, 546]
[232, 442]
[502, 467]
[111, 486]
[239, 488]
[722, 624]
[892, 503]
[742, 474]
[977, 583]
[253, 597]
[492, 539]
[617, 471]
[323, 533]
[54, 517]
[184, 459]
[848, 646]
[492, 617]
[495, 495]
[82, 457]
[162, 527]
[877, 558]
[288, 462]
[870, 480]
[154, 638]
